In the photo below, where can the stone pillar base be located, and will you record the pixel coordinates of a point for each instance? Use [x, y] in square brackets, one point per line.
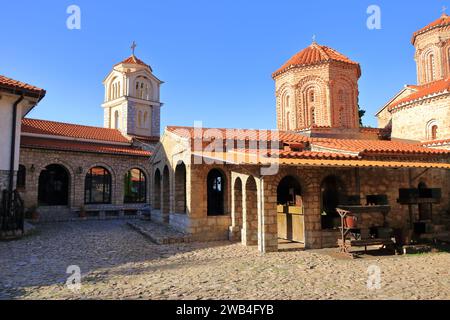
[234, 234]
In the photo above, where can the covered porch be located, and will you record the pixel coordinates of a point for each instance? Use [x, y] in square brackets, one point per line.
[297, 205]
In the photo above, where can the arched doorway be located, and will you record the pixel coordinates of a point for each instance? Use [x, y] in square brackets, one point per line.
[53, 189]
[166, 194]
[180, 188]
[236, 216]
[250, 216]
[290, 213]
[157, 191]
[216, 193]
[332, 191]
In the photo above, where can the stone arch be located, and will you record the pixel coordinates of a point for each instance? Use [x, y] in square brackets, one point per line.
[236, 213]
[157, 190]
[180, 188]
[250, 213]
[135, 182]
[91, 194]
[432, 130]
[430, 63]
[217, 195]
[54, 185]
[165, 207]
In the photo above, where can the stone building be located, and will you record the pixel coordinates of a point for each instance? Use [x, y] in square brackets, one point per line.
[67, 168]
[260, 187]
[422, 112]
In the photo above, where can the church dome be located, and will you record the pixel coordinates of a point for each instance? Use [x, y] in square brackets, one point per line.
[313, 55]
[443, 21]
[134, 60]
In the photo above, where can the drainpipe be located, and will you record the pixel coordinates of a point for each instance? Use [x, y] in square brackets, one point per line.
[13, 144]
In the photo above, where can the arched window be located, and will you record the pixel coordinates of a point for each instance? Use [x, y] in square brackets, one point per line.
[97, 187]
[216, 193]
[21, 177]
[144, 122]
[116, 119]
[135, 186]
[434, 132]
[430, 66]
[140, 119]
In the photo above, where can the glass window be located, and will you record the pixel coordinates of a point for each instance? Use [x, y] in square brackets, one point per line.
[97, 186]
[135, 186]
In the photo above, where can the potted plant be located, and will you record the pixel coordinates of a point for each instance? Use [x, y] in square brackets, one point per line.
[83, 213]
[350, 221]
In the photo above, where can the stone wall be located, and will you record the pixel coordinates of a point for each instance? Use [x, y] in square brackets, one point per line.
[250, 200]
[414, 122]
[77, 165]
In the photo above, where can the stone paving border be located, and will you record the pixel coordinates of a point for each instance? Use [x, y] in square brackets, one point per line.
[158, 233]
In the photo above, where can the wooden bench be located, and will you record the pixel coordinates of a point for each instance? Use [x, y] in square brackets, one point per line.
[367, 242]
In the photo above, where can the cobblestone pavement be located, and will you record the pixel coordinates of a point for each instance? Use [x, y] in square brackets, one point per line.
[119, 263]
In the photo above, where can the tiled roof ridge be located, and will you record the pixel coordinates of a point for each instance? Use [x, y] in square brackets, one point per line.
[78, 131]
[442, 21]
[313, 55]
[423, 92]
[15, 84]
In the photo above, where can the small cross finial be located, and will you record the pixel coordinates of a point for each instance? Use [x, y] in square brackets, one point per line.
[133, 47]
[314, 38]
[444, 9]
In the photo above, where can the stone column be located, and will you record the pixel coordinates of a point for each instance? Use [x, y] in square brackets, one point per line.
[267, 217]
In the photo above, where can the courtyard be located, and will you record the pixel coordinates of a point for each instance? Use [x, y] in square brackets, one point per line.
[117, 262]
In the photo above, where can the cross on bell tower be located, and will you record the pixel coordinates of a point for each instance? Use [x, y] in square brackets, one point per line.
[133, 47]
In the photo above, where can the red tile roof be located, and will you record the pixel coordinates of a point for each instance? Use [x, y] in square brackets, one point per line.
[237, 134]
[315, 155]
[134, 60]
[315, 54]
[443, 21]
[330, 146]
[436, 143]
[77, 146]
[372, 147]
[15, 85]
[423, 91]
[45, 127]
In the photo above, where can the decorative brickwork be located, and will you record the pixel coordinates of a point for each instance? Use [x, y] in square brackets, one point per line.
[320, 93]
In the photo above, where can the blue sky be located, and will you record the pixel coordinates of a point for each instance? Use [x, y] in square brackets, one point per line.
[215, 56]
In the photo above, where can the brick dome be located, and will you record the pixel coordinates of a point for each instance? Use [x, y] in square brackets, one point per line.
[442, 22]
[315, 54]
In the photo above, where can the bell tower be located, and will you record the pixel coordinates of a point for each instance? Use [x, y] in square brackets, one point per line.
[132, 98]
